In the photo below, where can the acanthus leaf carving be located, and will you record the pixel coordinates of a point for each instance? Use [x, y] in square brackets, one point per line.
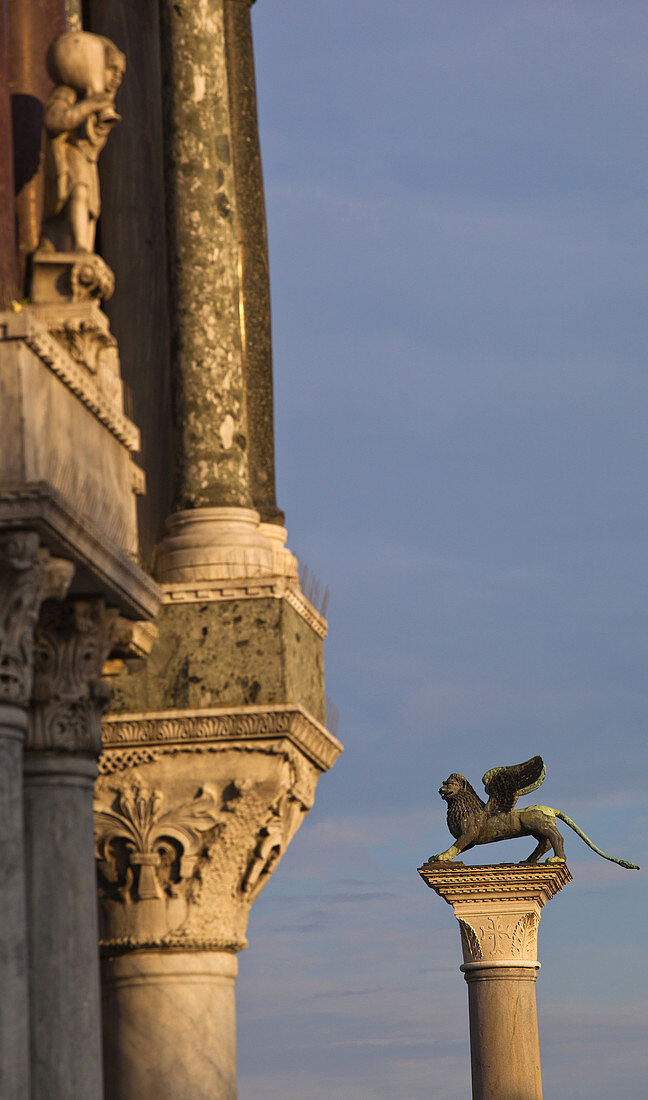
[72, 641]
[28, 575]
[148, 858]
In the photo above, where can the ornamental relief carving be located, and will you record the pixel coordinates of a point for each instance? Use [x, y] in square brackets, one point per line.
[150, 854]
[180, 863]
[72, 642]
[27, 576]
[499, 937]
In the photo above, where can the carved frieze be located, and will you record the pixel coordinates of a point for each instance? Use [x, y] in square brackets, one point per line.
[214, 724]
[72, 641]
[28, 575]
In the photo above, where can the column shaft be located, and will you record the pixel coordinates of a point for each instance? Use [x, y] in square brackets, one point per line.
[209, 384]
[504, 1048]
[256, 331]
[170, 1025]
[63, 928]
[14, 1012]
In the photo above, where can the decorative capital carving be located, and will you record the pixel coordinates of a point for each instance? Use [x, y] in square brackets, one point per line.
[28, 575]
[72, 641]
[499, 937]
[186, 841]
[149, 854]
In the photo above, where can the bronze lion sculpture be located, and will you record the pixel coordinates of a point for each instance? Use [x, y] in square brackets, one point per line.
[472, 821]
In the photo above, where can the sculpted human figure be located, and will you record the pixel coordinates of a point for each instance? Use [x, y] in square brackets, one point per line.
[87, 70]
[472, 821]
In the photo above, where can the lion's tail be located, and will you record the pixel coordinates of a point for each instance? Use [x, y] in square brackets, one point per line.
[574, 826]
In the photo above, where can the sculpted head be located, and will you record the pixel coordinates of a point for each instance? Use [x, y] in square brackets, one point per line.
[453, 785]
[88, 63]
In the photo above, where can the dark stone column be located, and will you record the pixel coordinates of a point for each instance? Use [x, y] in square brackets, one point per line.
[210, 399]
[254, 274]
[64, 740]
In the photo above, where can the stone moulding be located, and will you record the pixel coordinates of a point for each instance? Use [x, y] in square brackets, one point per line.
[105, 569]
[279, 588]
[23, 326]
[224, 725]
[457, 883]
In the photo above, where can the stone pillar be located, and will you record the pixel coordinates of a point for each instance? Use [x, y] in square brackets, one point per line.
[209, 382]
[25, 576]
[498, 909]
[72, 643]
[254, 275]
[158, 1003]
[193, 813]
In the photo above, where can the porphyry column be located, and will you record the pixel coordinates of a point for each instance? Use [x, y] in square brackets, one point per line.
[72, 642]
[25, 579]
[498, 909]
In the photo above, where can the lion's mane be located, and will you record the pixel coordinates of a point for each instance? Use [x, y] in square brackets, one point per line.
[462, 807]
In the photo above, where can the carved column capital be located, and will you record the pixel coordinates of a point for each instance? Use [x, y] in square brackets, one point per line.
[187, 836]
[72, 642]
[28, 575]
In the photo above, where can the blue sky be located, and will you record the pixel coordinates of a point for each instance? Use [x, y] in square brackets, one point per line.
[457, 209]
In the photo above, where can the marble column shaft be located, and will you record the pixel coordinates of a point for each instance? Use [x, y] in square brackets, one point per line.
[64, 739]
[25, 578]
[208, 369]
[498, 910]
[184, 1001]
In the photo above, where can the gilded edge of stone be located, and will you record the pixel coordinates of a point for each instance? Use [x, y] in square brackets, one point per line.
[247, 588]
[457, 883]
[195, 726]
[23, 326]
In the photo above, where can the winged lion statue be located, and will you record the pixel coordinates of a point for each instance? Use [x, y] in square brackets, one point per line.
[472, 821]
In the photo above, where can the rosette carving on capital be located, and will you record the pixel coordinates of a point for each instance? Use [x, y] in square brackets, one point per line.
[72, 642]
[28, 575]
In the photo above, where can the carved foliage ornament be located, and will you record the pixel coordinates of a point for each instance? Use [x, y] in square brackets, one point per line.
[72, 643]
[500, 937]
[146, 851]
[27, 576]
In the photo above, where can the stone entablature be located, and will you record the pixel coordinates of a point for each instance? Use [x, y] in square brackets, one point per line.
[66, 339]
[248, 588]
[170, 730]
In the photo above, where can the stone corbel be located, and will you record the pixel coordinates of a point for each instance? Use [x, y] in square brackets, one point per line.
[72, 641]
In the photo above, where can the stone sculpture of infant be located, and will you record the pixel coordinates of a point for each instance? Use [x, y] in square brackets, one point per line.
[87, 70]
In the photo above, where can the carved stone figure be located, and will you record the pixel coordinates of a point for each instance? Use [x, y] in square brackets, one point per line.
[471, 821]
[87, 70]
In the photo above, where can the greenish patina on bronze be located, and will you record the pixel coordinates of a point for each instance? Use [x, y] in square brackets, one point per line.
[472, 821]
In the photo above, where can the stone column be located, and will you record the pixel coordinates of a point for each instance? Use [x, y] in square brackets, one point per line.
[72, 643]
[193, 814]
[160, 1003]
[27, 575]
[498, 909]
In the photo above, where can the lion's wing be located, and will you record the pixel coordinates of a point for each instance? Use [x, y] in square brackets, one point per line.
[505, 785]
